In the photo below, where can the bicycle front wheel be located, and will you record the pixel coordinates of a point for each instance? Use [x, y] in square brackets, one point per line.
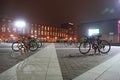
[33, 46]
[104, 46]
[15, 46]
[84, 47]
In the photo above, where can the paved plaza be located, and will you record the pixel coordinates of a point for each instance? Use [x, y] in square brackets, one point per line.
[56, 62]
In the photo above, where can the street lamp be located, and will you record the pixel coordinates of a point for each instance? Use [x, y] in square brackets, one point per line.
[20, 24]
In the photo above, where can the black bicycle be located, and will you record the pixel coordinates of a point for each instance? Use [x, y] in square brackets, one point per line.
[87, 44]
[38, 41]
[33, 46]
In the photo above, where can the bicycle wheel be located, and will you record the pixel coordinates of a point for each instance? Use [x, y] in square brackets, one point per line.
[104, 46]
[15, 46]
[39, 44]
[84, 47]
[33, 46]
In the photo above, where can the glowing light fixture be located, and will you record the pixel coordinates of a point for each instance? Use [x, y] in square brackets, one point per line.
[20, 24]
[93, 31]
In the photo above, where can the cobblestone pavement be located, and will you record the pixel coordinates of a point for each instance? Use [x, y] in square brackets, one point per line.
[73, 63]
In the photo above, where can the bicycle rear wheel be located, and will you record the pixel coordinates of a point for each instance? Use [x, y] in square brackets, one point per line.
[104, 46]
[84, 47]
[33, 46]
[15, 46]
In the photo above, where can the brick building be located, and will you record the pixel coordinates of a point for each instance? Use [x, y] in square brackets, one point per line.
[8, 31]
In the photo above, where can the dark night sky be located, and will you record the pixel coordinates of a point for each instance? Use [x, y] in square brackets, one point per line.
[56, 12]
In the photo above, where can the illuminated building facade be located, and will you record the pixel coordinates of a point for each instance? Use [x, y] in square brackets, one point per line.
[9, 32]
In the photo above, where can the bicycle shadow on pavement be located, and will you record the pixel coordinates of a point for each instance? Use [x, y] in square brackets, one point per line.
[82, 55]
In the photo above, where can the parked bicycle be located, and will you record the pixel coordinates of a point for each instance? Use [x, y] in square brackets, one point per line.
[38, 41]
[87, 44]
[33, 46]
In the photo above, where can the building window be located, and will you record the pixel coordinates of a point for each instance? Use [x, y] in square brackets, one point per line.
[35, 31]
[31, 31]
[45, 28]
[42, 28]
[38, 32]
[8, 29]
[41, 32]
[45, 32]
[48, 28]
[3, 28]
